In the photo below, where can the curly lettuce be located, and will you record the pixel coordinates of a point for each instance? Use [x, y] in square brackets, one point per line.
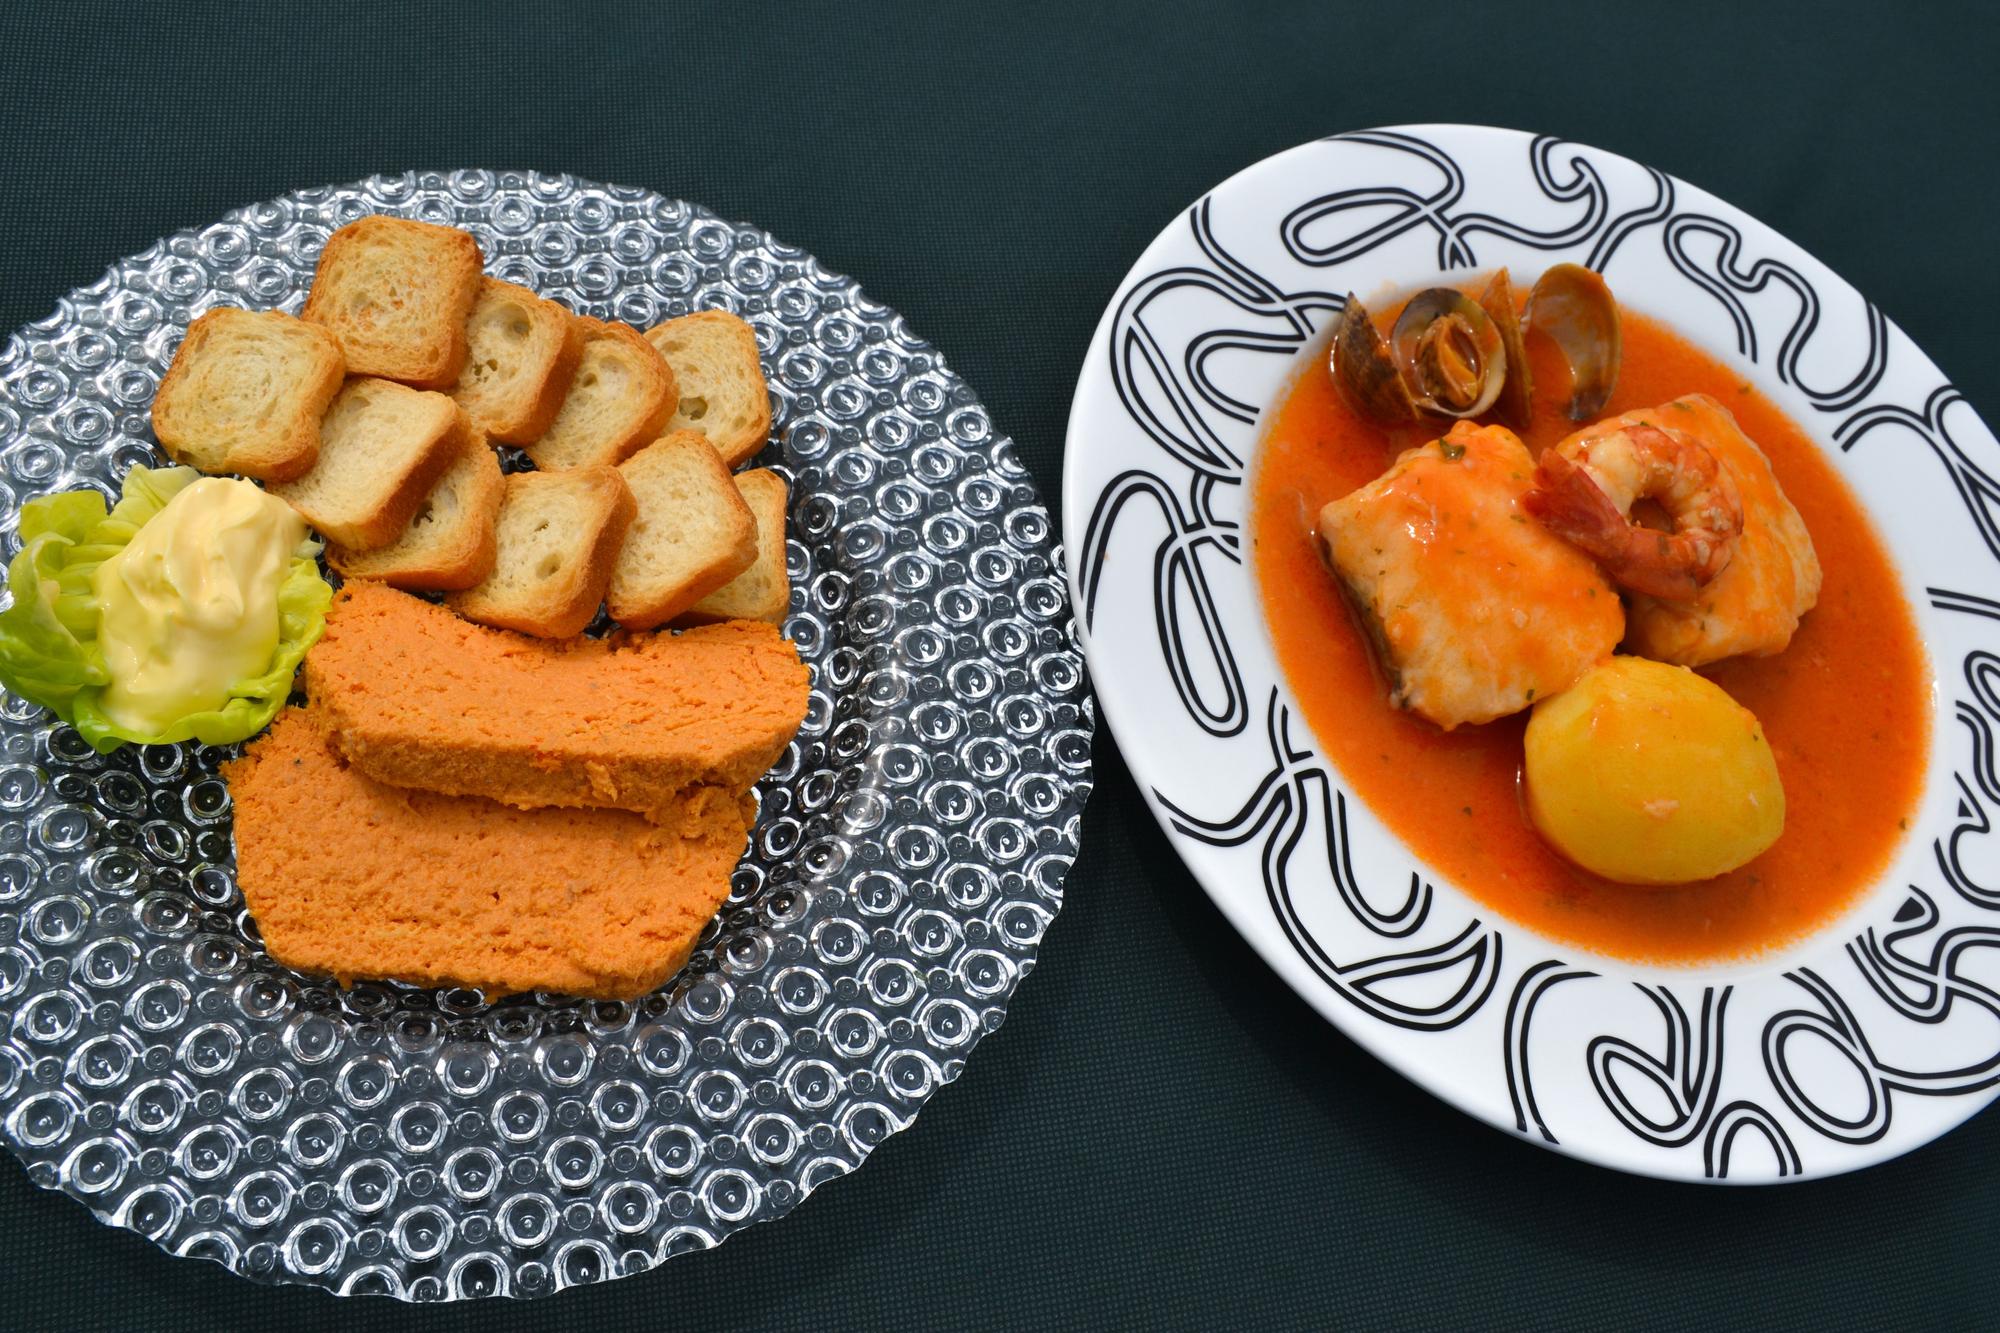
[49, 652]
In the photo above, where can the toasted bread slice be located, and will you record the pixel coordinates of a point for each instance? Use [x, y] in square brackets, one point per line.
[449, 542]
[617, 404]
[693, 532]
[763, 591]
[521, 353]
[723, 395]
[396, 294]
[631, 722]
[381, 446]
[245, 394]
[555, 545]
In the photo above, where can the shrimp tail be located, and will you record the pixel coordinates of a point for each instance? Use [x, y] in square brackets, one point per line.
[1671, 566]
[1567, 502]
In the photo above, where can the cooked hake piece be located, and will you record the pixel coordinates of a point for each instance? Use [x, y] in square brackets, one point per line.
[1476, 610]
[1753, 606]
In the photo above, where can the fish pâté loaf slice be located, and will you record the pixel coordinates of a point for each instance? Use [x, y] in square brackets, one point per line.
[246, 392]
[416, 697]
[521, 354]
[449, 542]
[693, 532]
[381, 447]
[555, 544]
[618, 402]
[352, 878]
[722, 390]
[396, 294]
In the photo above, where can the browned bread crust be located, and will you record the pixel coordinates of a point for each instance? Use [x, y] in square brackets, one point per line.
[522, 352]
[245, 394]
[556, 543]
[722, 390]
[396, 294]
[764, 590]
[448, 544]
[693, 532]
[382, 445]
[618, 402]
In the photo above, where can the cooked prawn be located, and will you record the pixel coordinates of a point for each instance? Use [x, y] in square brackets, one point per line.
[1584, 493]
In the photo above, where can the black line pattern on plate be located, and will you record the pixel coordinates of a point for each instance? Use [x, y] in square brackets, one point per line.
[1296, 800]
[1716, 1148]
[1536, 980]
[1728, 280]
[1977, 488]
[1686, 1078]
[1192, 531]
[1166, 396]
[1666, 1093]
[1913, 967]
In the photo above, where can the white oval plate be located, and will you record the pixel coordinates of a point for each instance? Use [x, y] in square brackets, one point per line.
[1872, 1037]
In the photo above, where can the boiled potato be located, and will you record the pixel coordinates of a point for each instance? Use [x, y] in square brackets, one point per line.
[1649, 774]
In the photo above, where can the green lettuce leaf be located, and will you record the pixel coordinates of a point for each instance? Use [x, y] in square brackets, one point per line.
[49, 653]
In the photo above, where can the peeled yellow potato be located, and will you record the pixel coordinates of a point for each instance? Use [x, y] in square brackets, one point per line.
[1649, 774]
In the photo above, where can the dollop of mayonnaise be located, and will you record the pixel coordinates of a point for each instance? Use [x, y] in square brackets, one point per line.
[190, 606]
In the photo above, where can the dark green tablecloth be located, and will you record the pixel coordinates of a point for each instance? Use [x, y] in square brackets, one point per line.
[1161, 1134]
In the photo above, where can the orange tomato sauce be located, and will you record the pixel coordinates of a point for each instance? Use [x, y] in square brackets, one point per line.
[1846, 707]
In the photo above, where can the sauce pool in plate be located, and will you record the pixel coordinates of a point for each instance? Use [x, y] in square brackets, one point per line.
[1846, 707]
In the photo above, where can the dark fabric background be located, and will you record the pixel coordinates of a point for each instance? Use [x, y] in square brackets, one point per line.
[1161, 1135]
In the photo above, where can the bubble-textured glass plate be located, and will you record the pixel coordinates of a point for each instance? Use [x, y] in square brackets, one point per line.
[433, 1145]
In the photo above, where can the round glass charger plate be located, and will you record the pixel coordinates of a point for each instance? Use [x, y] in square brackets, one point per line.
[1868, 1039]
[433, 1145]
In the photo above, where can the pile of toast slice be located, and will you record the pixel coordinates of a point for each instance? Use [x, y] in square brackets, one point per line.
[376, 410]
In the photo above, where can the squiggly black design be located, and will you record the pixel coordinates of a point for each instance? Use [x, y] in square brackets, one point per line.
[1177, 425]
[1730, 278]
[1978, 714]
[1976, 487]
[1834, 1022]
[1965, 603]
[1173, 418]
[1528, 992]
[1191, 529]
[1411, 209]
[1731, 1120]
[1584, 183]
[1281, 808]
[1295, 308]
[1688, 1075]
[1287, 794]
[1625, 224]
[1923, 989]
